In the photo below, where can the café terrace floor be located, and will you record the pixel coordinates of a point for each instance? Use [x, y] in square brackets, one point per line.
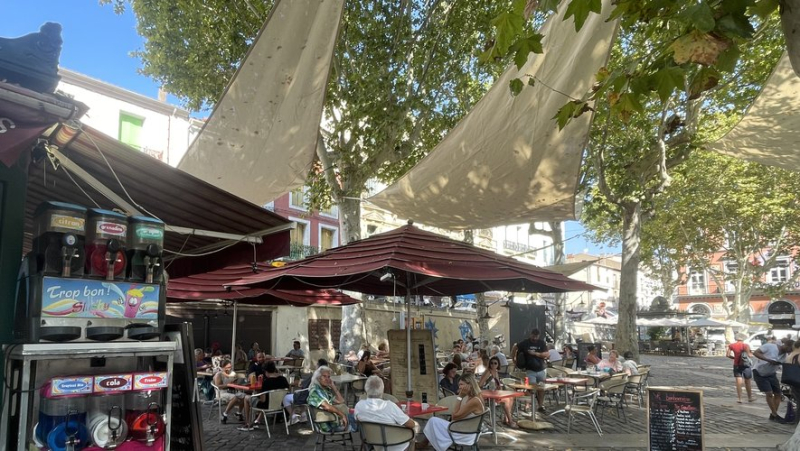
[728, 425]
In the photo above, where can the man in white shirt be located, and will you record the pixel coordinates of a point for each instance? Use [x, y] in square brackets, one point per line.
[555, 356]
[375, 409]
[768, 360]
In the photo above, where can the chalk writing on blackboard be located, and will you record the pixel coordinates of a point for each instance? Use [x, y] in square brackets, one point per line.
[675, 419]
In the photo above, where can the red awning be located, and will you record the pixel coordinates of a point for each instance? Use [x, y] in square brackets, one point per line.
[411, 261]
[210, 286]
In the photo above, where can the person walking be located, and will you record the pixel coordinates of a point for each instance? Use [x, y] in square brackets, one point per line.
[741, 370]
[769, 357]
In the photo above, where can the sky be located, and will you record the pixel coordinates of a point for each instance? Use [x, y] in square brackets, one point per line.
[98, 43]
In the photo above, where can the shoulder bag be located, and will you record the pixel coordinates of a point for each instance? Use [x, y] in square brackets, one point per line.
[791, 373]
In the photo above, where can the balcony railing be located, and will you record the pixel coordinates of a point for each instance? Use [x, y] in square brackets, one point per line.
[299, 251]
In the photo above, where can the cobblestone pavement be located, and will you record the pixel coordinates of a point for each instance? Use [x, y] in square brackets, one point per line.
[728, 425]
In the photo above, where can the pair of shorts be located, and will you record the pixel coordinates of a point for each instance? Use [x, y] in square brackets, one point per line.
[537, 376]
[767, 384]
[742, 371]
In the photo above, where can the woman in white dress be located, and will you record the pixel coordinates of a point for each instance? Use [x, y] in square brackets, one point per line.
[469, 405]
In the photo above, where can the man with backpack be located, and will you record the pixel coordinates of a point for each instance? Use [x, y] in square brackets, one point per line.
[530, 356]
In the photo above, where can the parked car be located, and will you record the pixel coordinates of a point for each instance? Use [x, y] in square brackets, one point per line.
[756, 339]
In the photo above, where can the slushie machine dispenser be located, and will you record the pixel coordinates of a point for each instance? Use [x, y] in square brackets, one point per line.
[88, 369]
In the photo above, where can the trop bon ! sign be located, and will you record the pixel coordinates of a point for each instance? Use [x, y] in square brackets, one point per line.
[87, 298]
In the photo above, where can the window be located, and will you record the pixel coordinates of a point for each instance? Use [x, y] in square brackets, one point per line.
[297, 198]
[299, 234]
[327, 238]
[130, 130]
[779, 273]
[697, 282]
[331, 211]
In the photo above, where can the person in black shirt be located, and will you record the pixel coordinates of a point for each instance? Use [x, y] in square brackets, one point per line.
[273, 380]
[450, 379]
[256, 368]
[535, 352]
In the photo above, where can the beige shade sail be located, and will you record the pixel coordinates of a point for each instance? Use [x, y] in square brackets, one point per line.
[260, 140]
[506, 162]
[769, 133]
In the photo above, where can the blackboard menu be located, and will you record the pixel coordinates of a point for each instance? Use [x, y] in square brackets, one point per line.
[674, 419]
[185, 423]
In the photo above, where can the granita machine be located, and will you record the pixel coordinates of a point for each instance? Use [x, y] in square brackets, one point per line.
[88, 369]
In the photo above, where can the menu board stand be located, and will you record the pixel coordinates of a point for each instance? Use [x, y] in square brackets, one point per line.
[186, 426]
[675, 419]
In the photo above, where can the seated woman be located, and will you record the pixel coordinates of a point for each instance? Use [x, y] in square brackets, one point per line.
[365, 365]
[273, 380]
[383, 351]
[491, 381]
[482, 364]
[324, 395]
[469, 405]
[611, 363]
[450, 379]
[591, 358]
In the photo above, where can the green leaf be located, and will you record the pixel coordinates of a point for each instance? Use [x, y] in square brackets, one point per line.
[508, 25]
[764, 8]
[667, 80]
[701, 17]
[705, 79]
[524, 47]
[518, 6]
[726, 62]
[515, 86]
[580, 9]
[736, 25]
[547, 6]
[531, 81]
[569, 111]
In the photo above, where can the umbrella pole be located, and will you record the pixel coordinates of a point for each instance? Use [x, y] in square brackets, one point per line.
[233, 334]
[409, 390]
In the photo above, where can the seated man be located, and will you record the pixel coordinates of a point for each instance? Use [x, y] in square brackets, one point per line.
[629, 365]
[375, 409]
[204, 382]
[296, 352]
[555, 356]
[256, 367]
[233, 398]
[500, 356]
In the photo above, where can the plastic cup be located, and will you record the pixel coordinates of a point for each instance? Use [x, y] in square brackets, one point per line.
[425, 406]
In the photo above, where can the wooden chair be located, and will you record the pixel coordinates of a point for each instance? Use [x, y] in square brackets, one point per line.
[380, 436]
[583, 405]
[316, 416]
[467, 426]
[274, 407]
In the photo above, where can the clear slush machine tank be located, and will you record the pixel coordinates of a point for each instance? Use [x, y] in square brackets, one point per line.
[145, 247]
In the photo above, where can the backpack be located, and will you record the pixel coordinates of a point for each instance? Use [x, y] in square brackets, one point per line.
[520, 361]
[744, 359]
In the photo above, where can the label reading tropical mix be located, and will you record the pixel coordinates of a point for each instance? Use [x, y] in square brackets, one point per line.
[67, 222]
[150, 381]
[113, 383]
[76, 385]
[149, 233]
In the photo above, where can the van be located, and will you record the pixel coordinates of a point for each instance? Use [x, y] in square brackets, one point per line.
[757, 339]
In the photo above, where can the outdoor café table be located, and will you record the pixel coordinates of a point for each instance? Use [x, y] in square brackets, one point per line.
[346, 380]
[534, 389]
[205, 374]
[414, 409]
[244, 388]
[496, 395]
[567, 381]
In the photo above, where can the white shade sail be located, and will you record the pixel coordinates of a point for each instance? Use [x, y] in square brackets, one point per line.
[770, 131]
[506, 162]
[260, 140]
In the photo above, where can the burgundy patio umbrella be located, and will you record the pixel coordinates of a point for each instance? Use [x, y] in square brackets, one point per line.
[210, 285]
[419, 262]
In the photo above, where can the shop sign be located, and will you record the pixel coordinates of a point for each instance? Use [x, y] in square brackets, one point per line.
[150, 381]
[113, 383]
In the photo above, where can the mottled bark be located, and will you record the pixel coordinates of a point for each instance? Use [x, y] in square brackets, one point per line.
[353, 316]
[625, 338]
[559, 258]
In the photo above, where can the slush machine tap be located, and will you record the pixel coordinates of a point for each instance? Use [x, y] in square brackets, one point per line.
[151, 261]
[68, 252]
[152, 426]
[112, 248]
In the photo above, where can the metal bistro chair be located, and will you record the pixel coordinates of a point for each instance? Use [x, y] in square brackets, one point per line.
[635, 387]
[380, 436]
[357, 390]
[316, 416]
[274, 408]
[467, 426]
[218, 401]
[449, 402]
[446, 392]
[613, 397]
[590, 398]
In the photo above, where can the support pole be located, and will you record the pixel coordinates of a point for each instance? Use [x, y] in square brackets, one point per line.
[233, 334]
[409, 389]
